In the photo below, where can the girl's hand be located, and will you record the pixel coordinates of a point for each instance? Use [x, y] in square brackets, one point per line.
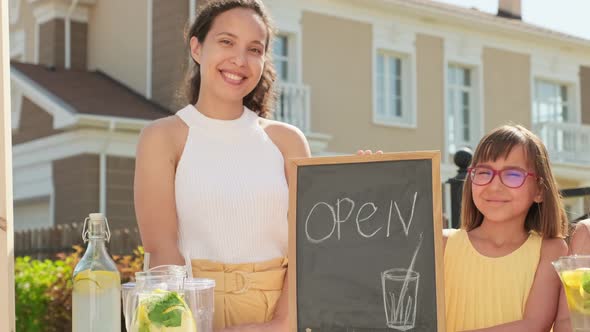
[367, 152]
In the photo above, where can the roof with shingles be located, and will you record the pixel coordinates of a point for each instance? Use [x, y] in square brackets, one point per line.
[91, 92]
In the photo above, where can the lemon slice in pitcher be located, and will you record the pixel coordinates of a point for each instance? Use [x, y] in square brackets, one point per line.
[577, 289]
[580, 305]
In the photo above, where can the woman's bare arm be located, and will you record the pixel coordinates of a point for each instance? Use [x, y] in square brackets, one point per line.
[155, 206]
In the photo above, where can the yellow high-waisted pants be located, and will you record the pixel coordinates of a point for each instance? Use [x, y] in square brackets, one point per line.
[244, 293]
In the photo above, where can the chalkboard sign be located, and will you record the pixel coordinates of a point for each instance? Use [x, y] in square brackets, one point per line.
[365, 243]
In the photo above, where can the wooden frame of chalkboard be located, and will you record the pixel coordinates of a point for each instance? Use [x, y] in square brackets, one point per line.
[356, 255]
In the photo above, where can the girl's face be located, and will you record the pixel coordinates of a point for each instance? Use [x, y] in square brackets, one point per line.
[499, 202]
[232, 55]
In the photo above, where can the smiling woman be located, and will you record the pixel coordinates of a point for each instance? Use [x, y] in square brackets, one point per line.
[229, 43]
[211, 183]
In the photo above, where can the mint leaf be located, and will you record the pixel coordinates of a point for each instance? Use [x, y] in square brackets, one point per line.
[158, 310]
[172, 318]
[586, 282]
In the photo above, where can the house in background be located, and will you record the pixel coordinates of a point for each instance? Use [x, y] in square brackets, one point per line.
[398, 75]
[86, 77]
[74, 143]
[405, 75]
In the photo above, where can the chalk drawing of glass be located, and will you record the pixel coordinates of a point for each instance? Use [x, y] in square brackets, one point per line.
[400, 294]
[400, 291]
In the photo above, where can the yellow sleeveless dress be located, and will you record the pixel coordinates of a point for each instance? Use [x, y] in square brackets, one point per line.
[483, 291]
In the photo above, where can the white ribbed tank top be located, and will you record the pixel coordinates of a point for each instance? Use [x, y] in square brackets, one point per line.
[231, 191]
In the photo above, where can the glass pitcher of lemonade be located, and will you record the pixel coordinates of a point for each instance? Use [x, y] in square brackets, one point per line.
[574, 272]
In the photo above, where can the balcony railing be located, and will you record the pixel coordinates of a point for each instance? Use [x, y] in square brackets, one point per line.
[293, 105]
[566, 142]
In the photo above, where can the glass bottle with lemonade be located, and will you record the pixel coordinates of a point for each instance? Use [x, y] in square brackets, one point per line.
[96, 297]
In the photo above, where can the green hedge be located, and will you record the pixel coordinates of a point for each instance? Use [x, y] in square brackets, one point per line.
[44, 289]
[34, 280]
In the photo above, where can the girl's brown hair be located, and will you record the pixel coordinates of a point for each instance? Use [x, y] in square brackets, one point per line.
[547, 218]
[262, 98]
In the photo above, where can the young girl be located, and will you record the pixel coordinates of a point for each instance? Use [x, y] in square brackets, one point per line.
[498, 272]
[211, 180]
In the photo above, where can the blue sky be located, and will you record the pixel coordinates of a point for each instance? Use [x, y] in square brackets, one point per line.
[569, 16]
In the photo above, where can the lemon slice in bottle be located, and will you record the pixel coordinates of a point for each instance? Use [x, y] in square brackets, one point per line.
[95, 281]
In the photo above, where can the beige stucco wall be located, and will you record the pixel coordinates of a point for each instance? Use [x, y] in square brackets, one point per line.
[507, 88]
[585, 93]
[430, 93]
[338, 61]
[339, 77]
[117, 41]
[567, 183]
[26, 23]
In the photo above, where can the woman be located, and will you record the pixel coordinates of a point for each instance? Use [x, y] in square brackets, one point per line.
[211, 181]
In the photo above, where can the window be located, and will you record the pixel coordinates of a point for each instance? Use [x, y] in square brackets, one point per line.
[463, 116]
[14, 11]
[16, 96]
[17, 45]
[282, 58]
[552, 102]
[552, 111]
[291, 104]
[392, 105]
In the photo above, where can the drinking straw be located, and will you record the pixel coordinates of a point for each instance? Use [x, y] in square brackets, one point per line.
[146, 261]
[189, 266]
[407, 279]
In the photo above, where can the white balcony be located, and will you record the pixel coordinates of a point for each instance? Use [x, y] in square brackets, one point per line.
[293, 105]
[566, 142]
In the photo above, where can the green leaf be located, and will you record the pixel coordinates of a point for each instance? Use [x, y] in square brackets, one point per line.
[162, 311]
[586, 282]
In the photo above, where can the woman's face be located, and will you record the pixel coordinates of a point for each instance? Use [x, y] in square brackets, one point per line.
[232, 55]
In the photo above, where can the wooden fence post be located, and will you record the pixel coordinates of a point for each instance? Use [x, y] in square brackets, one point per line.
[6, 215]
